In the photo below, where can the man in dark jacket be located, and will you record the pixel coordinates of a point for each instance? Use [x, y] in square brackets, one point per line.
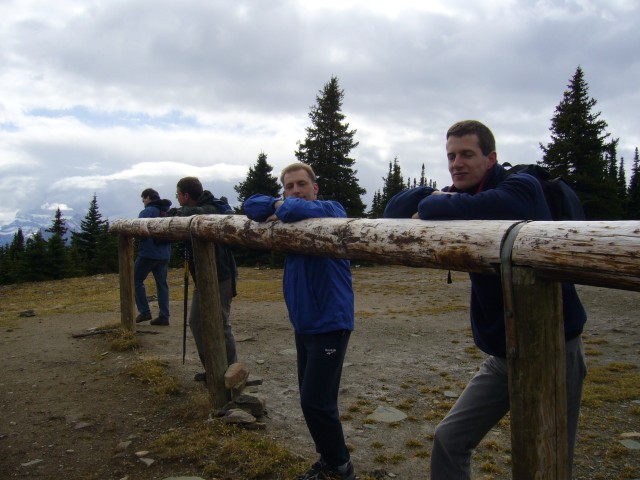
[482, 191]
[319, 296]
[196, 201]
[153, 257]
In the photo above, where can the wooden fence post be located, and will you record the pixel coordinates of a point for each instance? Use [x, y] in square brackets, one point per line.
[537, 376]
[125, 267]
[215, 350]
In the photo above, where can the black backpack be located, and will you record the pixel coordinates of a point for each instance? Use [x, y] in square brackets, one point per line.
[561, 198]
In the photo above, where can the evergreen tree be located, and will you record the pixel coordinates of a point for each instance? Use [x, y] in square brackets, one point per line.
[107, 261]
[58, 265]
[35, 261]
[622, 183]
[85, 243]
[633, 192]
[259, 180]
[578, 148]
[393, 184]
[5, 265]
[14, 255]
[326, 149]
[58, 226]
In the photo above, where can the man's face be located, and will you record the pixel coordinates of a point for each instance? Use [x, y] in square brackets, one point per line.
[467, 163]
[183, 198]
[298, 184]
[146, 200]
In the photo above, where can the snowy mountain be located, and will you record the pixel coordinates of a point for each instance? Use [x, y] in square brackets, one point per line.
[31, 223]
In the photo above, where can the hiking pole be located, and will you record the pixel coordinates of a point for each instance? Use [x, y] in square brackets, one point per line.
[186, 297]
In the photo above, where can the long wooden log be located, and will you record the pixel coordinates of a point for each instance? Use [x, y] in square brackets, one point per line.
[591, 253]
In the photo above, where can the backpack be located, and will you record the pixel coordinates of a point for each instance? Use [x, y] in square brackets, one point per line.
[562, 200]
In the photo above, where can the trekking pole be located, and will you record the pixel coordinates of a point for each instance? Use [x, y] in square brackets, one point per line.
[186, 298]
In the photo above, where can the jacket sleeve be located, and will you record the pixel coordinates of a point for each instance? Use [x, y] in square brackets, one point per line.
[404, 204]
[294, 209]
[259, 207]
[517, 198]
[149, 212]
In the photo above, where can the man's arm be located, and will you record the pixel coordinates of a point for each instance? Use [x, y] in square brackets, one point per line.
[518, 198]
[405, 204]
[293, 209]
[260, 207]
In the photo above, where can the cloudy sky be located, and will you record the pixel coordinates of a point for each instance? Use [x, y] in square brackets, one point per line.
[113, 96]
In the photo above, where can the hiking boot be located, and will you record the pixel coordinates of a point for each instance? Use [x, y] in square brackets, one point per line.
[143, 317]
[321, 471]
[200, 377]
[160, 321]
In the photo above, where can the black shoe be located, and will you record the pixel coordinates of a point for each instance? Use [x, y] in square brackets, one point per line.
[200, 377]
[143, 317]
[321, 471]
[160, 321]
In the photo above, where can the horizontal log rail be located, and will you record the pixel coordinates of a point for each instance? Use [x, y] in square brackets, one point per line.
[531, 257]
[598, 253]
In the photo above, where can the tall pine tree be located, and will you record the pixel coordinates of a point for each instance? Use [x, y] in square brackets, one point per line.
[393, 184]
[58, 226]
[85, 243]
[259, 180]
[578, 150]
[326, 149]
[633, 192]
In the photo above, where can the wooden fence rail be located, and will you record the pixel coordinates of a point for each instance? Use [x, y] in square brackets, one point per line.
[531, 257]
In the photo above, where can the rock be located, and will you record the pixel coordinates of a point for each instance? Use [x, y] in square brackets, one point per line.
[253, 381]
[450, 394]
[142, 453]
[32, 462]
[27, 313]
[252, 404]
[183, 478]
[123, 445]
[237, 416]
[631, 444]
[630, 435]
[147, 461]
[236, 376]
[387, 414]
[81, 425]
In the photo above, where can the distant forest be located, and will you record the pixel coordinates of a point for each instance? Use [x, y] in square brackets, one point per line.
[581, 151]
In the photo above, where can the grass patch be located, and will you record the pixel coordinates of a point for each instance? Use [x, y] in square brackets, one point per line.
[611, 383]
[154, 373]
[123, 341]
[221, 450]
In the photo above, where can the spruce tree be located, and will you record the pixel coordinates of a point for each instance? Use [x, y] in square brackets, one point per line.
[85, 243]
[633, 192]
[578, 149]
[393, 184]
[259, 180]
[326, 149]
[35, 261]
[58, 226]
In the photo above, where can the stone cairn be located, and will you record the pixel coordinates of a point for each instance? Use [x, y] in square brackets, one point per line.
[244, 409]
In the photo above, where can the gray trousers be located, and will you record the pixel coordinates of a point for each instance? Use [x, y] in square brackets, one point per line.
[484, 401]
[195, 321]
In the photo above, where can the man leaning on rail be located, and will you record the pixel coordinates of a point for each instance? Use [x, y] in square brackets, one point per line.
[482, 191]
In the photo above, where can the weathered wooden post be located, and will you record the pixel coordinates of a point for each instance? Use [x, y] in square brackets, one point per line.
[215, 352]
[537, 372]
[125, 267]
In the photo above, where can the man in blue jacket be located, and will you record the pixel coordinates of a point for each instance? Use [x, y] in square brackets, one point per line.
[153, 257]
[482, 191]
[319, 296]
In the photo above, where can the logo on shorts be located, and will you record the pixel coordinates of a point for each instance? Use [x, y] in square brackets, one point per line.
[329, 351]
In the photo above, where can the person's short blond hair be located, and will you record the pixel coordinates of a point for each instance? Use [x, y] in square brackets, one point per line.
[298, 166]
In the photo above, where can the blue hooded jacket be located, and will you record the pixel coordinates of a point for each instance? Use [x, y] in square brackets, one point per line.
[518, 197]
[150, 247]
[317, 290]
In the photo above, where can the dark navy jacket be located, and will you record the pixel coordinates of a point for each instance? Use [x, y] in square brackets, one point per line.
[150, 247]
[317, 290]
[518, 197]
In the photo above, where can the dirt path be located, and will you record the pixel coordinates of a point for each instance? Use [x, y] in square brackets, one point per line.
[69, 404]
